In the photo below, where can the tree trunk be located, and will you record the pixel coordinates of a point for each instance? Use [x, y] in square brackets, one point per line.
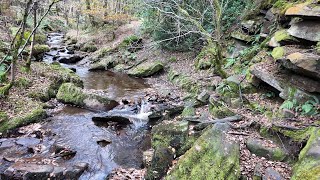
[28, 64]
[19, 43]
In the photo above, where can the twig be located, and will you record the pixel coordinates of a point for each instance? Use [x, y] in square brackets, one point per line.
[239, 133]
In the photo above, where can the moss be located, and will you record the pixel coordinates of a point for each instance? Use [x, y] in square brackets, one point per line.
[174, 134]
[41, 38]
[188, 111]
[205, 58]
[42, 95]
[146, 69]
[220, 111]
[183, 82]
[296, 135]
[62, 74]
[278, 53]
[173, 59]
[129, 40]
[241, 36]
[211, 157]
[3, 116]
[4, 90]
[318, 47]
[308, 166]
[119, 67]
[23, 82]
[89, 47]
[283, 35]
[40, 49]
[70, 93]
[35, 116]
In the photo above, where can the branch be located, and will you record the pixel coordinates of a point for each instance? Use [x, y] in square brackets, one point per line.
[38, 24]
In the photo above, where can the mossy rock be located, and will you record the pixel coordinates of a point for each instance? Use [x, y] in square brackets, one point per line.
[301, 135]
[146, 69]
[220, 111]
[278, 53]
[89, 47]
[35, 116]
[120, 67]
[71, 94]
[40, 38]
[183, 82]
[308, 165]
[188, 111]
[39, 50]
[242, 37]
[257, 147]
[281, 37]
[23, 82]
[103, 64]
[129, 41]
[174, 134]
[161, 161]
[211, 157]
[206, 58]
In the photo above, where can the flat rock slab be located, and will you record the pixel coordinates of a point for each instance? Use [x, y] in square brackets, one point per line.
[31, 171]
[307, 30]
[28, 141]
[304, 10]
[284, 81]
[307, 64]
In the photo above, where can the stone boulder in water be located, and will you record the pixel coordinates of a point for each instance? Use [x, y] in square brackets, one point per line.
[71, 94]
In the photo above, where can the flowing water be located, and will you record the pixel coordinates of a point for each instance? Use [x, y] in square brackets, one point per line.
[102, 147]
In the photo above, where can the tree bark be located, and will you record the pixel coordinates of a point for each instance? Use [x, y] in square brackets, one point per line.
[28, 64]
[19, 43]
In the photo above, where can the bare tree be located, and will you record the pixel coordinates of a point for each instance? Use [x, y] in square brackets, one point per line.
[187, 24]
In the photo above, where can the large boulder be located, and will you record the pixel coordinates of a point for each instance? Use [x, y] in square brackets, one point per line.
[39, 50]
[308, 165]
[307, 30]
[165, 136]
[306, 64]
[306, 11]
[212, 156]
[71, 94]
[146, 69]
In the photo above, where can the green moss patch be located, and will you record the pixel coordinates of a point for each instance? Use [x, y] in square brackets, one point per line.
[146, 69]
[278, 53]
[71, 94]
[183, 81]
[211, 157]
[36, 115]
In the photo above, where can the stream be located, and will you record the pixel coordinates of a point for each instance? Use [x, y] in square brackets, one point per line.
[98, 145]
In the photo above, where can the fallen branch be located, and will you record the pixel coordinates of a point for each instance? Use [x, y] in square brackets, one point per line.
[239, 133]
[203, 125]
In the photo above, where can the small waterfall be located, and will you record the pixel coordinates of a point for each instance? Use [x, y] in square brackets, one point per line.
[142, 117]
